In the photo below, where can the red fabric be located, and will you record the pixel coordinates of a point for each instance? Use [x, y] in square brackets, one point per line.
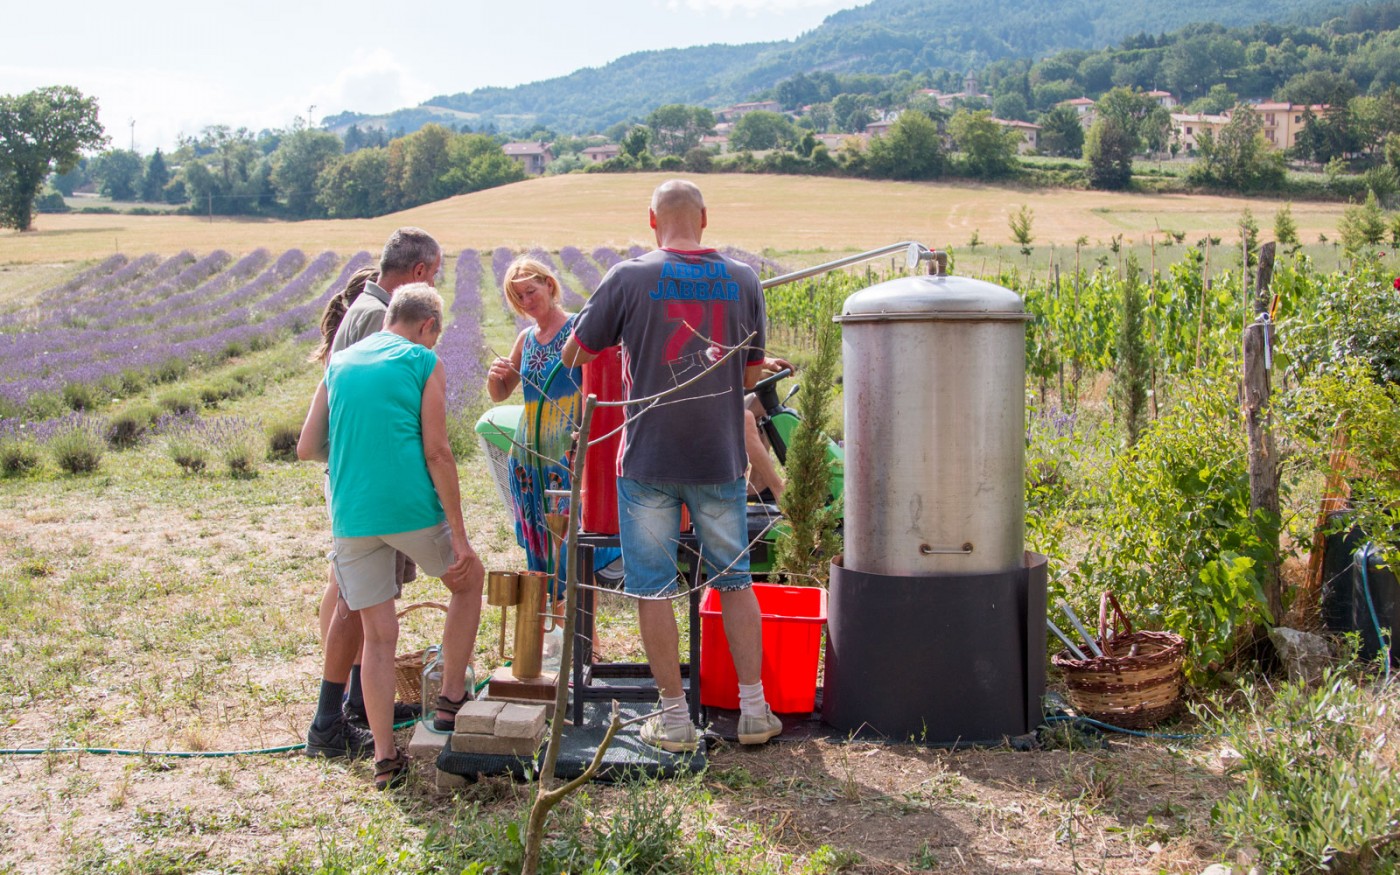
[603, 377]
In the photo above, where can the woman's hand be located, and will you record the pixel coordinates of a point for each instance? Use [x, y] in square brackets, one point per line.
[501, 378]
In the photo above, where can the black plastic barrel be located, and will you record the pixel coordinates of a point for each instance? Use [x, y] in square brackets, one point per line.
[1345, 607]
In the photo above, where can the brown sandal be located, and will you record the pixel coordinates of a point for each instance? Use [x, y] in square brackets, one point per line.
[391, 772]
[450, 706]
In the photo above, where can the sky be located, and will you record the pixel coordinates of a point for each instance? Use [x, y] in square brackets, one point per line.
[175, 67]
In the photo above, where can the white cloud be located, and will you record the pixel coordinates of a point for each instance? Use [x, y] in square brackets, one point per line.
[374, 82]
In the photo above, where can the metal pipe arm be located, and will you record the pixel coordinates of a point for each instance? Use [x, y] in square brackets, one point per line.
[915, 252]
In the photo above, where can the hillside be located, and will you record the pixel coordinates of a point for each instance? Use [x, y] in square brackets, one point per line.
[884, 36]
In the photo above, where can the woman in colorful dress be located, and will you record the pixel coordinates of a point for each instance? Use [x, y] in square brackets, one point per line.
[552, 407]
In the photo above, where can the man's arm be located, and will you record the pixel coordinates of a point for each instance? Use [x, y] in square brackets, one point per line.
[575, 355]
[767, 367]
[313, 443]
[442, 467]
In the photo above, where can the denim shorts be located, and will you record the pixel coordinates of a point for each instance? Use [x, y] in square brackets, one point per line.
[649, 520]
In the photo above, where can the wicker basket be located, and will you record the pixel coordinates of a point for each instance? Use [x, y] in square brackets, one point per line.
[1136, 683]
[408, 667]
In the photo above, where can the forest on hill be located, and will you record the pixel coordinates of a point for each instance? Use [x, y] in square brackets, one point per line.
[882, 37]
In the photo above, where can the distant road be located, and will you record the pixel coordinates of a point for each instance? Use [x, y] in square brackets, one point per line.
[755, 212]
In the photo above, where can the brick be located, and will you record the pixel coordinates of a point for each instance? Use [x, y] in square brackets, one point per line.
[426, 744]
[495, 744]
[447, 782]
[520, 721]
[478, 716]
[547, 706]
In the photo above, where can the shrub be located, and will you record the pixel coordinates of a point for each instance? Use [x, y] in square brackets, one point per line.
[240, 443]
[18, 454]
[282, 441]
[1173, 535]
[179, 402]
[81, 396]
[1319, 788]
[77, 443]
[126, 429]
[185, 441]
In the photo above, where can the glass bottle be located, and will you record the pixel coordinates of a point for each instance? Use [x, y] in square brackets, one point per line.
[432, 682]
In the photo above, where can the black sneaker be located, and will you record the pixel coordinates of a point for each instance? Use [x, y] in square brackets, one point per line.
[403, 713]
[341, 739]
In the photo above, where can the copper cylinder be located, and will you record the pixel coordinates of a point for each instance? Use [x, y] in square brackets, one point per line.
[502, 588]
[529, 626]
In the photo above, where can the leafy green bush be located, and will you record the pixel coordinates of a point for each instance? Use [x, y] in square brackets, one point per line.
[81, 396]
[77, 444]
[1172, 532]
[1355, 315]
[1320, 790]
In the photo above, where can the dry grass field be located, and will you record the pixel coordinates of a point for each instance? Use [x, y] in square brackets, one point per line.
[776, 214]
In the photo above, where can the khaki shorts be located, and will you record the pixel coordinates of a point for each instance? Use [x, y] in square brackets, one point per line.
[365, 568]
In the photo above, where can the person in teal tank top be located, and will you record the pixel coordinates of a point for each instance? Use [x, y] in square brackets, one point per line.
[380, 419]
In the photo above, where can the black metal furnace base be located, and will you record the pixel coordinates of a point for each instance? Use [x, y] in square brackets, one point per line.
[942, 660]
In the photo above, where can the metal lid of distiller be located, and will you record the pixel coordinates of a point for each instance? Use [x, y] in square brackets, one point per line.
[937, 298]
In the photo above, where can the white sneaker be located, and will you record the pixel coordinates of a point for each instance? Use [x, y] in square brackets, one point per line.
[759, 728]
[674, 739]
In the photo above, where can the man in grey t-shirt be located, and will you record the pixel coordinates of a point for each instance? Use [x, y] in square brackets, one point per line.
[678, 311]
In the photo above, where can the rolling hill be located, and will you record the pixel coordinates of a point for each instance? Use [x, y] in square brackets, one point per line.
[884, 36]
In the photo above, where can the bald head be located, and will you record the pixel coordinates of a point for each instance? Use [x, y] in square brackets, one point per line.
[677, 212]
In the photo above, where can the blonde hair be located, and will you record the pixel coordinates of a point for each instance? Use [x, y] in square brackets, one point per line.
[522, 270]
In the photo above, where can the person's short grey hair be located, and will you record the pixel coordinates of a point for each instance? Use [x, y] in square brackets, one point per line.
[414, 304]
[407, 247]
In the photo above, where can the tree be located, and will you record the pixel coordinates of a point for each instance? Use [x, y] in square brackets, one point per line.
[298, 161]
[910, 149]
[989, 148]
[1061, 134]
[1238, 158]
[1147, 123]
[1109, 150]
[226, 173]
[677, 128]
[1362, 224]
[353, 186]
[118, 174]
[1020, 225]
[761, 130]
[1131, 372]
[1011, 106]
[635, 142]
[1285, 229]
[41, 132]
[155, 179]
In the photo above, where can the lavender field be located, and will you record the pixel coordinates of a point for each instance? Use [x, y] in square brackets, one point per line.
[155, 334]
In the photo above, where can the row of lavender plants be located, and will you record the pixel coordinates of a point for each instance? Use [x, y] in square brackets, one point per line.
[202, 312]
[461, 347]
[78, 442]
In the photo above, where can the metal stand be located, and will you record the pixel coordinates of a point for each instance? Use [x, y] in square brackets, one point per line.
[590, 679]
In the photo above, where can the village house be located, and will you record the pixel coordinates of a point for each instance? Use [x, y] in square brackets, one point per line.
[534, 157]
[1030, 134]
[1283, 122]
[1085, 108]
[971, 92]
[1188, 126]
[1163, 98]
[739, 110]
[599, 154]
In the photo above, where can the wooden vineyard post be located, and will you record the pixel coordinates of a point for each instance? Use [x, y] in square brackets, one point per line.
[1263, 460]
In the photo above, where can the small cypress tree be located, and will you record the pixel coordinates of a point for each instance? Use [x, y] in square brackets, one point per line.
[1131, 372]
[1285, 229]
[812, 542]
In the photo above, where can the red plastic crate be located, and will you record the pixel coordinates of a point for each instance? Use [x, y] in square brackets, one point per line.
[792, 635]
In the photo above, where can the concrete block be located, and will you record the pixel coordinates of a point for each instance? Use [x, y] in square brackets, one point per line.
[426, 744]
[547, 706]
[496, 744]
[520, 721]
[478, 716]
[447, 782]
